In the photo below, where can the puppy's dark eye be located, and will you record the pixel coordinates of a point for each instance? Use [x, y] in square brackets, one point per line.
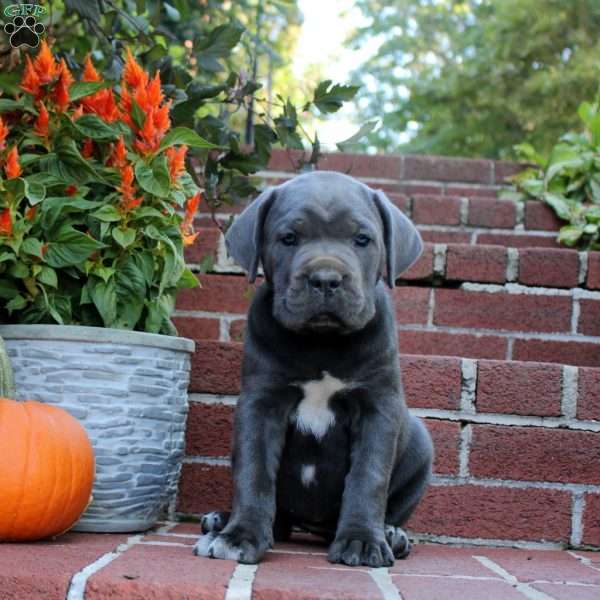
[362, 240]
[289, 239]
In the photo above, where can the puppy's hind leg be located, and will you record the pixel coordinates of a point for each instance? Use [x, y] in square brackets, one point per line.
[410, 478]
[215, 521]
[211, 524]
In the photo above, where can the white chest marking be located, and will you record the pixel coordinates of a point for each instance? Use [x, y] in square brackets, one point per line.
[313, 414]
[307, 475]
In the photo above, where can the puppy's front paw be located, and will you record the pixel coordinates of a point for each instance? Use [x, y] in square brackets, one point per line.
[237, 544]
[358, 549]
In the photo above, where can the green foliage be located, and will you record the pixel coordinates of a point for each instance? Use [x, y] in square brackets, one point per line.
[474, 77]
[205, 53]
[568, 180]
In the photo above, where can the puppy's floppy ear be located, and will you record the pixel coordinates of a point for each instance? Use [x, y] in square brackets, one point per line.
[244, 238]
[403, 243]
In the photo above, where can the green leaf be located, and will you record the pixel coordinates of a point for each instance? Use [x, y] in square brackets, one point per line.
[124, 237]
[329, 98]
[81, 89]
[592, 214]
[17, 303]
[93, 127]
[104, 297]
[559, 204]
[187, 280]
[70, 248]
[7, 289]
[47, 276]
[17, 187]
[563, 158]
[590, 229]
[18, 270]
[107, 213]
[70, 165]
[155, 178]
[184, 135]
[364, 130]
[569, 235]
[32, 246]
[218, 44]
[137, 114]
[34, 190]
[59, 206]
[7, 105]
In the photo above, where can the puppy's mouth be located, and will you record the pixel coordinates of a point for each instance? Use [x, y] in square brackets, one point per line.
[325, 321]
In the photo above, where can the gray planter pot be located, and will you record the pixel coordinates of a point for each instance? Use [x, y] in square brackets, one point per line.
[129, 391]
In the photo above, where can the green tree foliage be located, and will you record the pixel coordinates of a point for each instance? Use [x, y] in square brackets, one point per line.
[475, 77]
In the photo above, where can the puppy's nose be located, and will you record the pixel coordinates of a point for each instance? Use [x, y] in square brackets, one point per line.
[325, 281]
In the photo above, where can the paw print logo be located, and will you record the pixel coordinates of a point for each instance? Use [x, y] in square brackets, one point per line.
[24, 31]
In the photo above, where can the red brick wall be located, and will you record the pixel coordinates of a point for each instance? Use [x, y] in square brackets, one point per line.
[499, 332]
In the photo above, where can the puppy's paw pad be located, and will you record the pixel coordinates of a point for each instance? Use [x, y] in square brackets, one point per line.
[214, 522]
[398, 540]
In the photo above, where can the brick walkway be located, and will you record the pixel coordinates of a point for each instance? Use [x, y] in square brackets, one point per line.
[160, 565]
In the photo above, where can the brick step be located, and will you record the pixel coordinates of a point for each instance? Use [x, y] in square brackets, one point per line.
[509, 321]
[514, 441]
[457, 262]
[160, 564]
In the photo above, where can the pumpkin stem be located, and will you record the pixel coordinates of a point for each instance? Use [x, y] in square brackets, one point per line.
[7, 379]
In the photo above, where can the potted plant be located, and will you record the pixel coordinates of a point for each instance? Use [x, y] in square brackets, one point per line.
[95, 210]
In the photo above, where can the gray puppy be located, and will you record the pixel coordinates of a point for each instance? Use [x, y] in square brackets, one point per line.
[323, 439]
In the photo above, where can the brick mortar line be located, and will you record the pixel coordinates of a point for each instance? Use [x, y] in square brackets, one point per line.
[481, 230]
[480, 331]
[583, 267]
[466, 436]
[485, 542]
[516, 289]
[508, 420]
[569, 392]
[577, 510]
[224, 399]
[449, 480]
[240, 582]
[78, 583]
[383, 580]
[291, 174]
[572, 488]
[523, 588]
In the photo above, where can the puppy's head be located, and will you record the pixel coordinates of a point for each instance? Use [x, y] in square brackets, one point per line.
[324, 240]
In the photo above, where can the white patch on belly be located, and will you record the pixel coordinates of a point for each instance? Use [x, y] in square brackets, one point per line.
[313, 414]
[308, 475]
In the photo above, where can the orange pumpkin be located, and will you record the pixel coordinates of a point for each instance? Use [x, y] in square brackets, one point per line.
[46, 470]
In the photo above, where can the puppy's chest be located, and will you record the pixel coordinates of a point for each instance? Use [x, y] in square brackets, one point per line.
[320, 408]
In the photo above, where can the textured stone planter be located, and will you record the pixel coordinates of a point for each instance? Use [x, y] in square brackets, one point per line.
[129, 390]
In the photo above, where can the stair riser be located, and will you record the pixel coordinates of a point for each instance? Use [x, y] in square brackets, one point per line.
[516, 441]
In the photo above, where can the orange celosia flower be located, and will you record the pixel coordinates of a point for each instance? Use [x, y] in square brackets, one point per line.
[71, 190]
[3, 134]
[127, 189]
[6, 224]
[45, 66]
[43, 70]
[101, 102]
[12, 167]
[41, 123]
[118, 158]
[30, 81]
[147, 94]
[61, 89]
[89, 71]
[133, 74]
[30, 212]
[187, 225]
[176, 160]
[87, 150]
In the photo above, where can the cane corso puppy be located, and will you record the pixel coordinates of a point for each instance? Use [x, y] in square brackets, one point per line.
[323, 439]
